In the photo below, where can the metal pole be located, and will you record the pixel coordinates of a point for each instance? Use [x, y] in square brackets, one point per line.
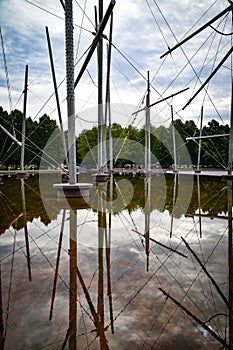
[101, 127]
[11, 136]
[229, 8]
[70, 91]
[199, 143]
[95, 41]
[24, 120]
[73, 281]
[107, 106]
[174, 140]
[56, 94]
[147, 127]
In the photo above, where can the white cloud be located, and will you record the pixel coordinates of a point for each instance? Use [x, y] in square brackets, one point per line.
[139, 35]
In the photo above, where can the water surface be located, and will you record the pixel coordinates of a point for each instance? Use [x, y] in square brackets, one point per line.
[93, 275]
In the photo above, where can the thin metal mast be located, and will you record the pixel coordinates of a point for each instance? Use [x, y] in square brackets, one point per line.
[70, 90]
[56, 95]
[174, 140]
[199, 143]
[101, 126]
[24, 120]
[107, 102]
[147, 127]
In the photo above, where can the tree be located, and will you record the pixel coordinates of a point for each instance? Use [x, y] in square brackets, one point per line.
[37, 136]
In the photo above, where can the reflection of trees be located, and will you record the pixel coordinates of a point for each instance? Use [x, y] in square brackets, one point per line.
[11, 206]
[37, 136]
[213, 198]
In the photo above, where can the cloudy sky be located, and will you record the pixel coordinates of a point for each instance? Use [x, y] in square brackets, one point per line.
[142, 31]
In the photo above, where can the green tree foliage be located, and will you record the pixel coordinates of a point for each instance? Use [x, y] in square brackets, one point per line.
[215, 150]
[37, 138]
[128, 143]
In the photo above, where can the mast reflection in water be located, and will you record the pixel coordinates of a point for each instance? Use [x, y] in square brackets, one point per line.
[82, 276]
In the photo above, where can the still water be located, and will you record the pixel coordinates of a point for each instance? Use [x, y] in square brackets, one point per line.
[143, 264]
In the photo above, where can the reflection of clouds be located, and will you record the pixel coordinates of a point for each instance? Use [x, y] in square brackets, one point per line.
[143, 316]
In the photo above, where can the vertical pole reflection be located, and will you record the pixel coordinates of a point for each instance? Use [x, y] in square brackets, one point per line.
[173, 202]
[26, 229]
[73, 281]
[199, 203]
[57, 264]
[102, 226]
[147, 219]
[230, 264]
[2, 337]
[108, 256]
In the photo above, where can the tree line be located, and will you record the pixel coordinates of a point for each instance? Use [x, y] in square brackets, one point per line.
[214, 151]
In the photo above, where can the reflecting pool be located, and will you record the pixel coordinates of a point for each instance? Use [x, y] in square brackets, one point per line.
[144, 263]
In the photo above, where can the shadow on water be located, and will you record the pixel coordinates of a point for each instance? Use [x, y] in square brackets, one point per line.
[94, 275]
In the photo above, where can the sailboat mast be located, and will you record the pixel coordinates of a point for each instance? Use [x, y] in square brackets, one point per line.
[24, 120]
[70, 90]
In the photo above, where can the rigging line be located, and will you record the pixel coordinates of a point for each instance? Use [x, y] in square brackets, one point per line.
[215, 59]
[208, 329]
[4, 144]
[120, 70]
[80, 32]
[173, 314]
[217, 31]
[34, 152]
[147, 281]
[53, 14]
[198, 20]
[38, 237]
[63, 80]
[198, 274]
[132, 236]
[211, 304]
[199, 30]
[212, 156]
[19, 99]
[91, 150]
[83, 320]
[47, 259]
[92, 80]
[180, 283]
[196, 75]
[135, 68]
[218, 152]
[32, 143]
[81, 225]
[188, 61]
[153, 15]
[84, 13]
[6, 72]
[85, 120]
